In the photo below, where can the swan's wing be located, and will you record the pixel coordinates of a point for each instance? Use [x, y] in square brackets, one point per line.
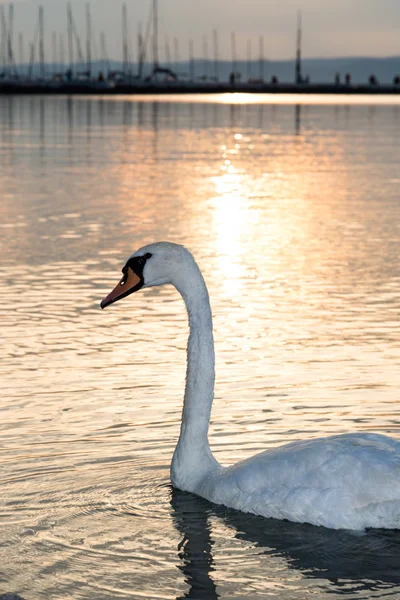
[336, 481]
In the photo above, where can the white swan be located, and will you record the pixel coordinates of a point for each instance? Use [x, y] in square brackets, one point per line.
[343, 482]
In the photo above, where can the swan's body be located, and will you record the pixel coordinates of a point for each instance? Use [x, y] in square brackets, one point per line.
[347, 481]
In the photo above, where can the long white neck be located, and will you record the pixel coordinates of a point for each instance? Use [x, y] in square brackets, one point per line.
[193, 460]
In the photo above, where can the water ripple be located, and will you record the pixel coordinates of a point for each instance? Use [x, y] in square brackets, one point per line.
[290, 211]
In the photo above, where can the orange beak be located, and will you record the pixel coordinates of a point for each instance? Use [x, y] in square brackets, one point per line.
[129, 283]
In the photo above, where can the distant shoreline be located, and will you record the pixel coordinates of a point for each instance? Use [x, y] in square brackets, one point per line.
[139, 88]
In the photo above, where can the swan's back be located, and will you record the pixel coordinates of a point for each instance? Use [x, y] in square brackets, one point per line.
[349, 481]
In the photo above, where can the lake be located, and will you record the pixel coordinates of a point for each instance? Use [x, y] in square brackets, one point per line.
[291, 207]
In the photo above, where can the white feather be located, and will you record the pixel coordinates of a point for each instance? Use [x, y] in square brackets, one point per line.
[346, 481]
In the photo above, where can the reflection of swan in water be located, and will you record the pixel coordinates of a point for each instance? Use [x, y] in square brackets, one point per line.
[191, 520]
[344, 482]
[350, 562]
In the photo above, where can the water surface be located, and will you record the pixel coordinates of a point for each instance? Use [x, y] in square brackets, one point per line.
[292, 211]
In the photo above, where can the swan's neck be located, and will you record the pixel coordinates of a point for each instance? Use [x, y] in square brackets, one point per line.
[192, 460]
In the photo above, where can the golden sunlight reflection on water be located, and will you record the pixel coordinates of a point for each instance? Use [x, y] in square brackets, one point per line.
[291, 208]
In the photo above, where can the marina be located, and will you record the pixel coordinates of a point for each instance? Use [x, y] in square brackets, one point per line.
[76, 68]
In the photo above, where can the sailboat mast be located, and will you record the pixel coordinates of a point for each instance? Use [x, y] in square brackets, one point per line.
[61, 53]
[299, 77]
[249, 58]
[205, 59]
[191, 60]
[124, 39]
[88, 40]
[10, 55]
[103, 49]
[261, 58]
[31, 59]
[3, 38]
[215, 40]
[70, 40]
[20, 51]
[41, 41]
[140, 51]
[155, 35]
[176, 55]
[233, 51]
[54, 52]
[167, 53]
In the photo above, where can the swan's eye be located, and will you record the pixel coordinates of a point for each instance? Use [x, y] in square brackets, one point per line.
[137, 263]
[141, 260]
[124, 277]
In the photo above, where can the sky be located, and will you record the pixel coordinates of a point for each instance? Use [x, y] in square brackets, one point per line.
[331, 28]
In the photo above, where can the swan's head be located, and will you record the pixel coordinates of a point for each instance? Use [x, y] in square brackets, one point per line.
[155, 264]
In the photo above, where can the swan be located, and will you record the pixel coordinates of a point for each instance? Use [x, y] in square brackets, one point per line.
[349, 481]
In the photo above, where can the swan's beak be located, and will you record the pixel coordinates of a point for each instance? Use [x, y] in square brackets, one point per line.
[129, 283]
